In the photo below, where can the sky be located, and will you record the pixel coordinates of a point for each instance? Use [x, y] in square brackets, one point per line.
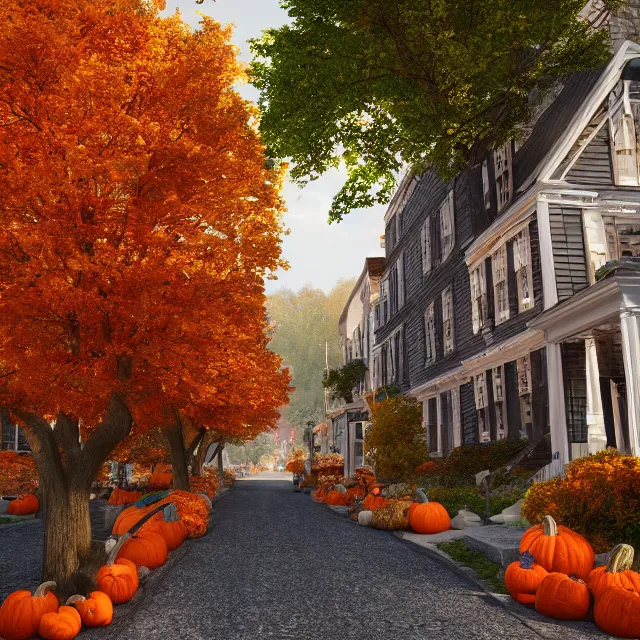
[318, 253]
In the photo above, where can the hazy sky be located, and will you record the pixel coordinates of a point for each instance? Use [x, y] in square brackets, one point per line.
[318, 253]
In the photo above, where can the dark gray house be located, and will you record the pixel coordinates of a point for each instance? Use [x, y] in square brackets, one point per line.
[492, 310]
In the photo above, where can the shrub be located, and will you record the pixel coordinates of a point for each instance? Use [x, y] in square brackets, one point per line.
[454, 499]
[460, 468]
[395, 441]
[599, 498]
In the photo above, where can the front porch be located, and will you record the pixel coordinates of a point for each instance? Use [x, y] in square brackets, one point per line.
[593, 368]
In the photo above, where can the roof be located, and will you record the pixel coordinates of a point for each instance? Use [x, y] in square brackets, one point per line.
[552, 124]
[374, 268]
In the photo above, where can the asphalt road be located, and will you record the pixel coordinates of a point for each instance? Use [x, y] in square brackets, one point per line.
[276, 565]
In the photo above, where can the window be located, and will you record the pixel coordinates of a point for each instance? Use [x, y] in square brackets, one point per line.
[522, 266]
[425, 243]
[431, 420]
[500, 287]
[447, 320]
[482, 402]
[624, 140]
[497, 376]
[384, 302]
[486, 186]
[447, 227]
[430, 334]
[502, 163]
[446, 423]
[524, 391]
[478, 298]
[396, 286]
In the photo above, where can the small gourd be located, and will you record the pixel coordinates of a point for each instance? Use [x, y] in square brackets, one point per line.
[365, 518]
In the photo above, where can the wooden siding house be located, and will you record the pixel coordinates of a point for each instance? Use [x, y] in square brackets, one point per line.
[356, 329]
[490, 312]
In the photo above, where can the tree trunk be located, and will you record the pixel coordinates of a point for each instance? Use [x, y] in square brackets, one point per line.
[220, 466]
[66, 470]
[200, 453]
[178, 456]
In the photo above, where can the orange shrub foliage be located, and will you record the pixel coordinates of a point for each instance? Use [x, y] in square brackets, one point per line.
[295, 461]
[599, 498]
[18, 473]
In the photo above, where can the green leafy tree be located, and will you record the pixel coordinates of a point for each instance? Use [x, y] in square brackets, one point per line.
[395, 442]
[303, 321]
[342, 381]
[252, 451]
[380, 84]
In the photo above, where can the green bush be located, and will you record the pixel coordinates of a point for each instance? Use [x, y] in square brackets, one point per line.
[472, 499]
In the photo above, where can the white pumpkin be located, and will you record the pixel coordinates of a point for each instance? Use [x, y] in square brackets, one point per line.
[365, 518]
[341, 488]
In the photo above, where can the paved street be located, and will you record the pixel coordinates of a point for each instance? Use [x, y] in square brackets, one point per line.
[277, 565]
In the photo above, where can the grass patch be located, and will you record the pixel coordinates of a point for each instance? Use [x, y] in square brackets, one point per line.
[489, 571]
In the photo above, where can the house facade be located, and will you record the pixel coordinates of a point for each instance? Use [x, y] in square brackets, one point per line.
[357, 332]
[494, 309]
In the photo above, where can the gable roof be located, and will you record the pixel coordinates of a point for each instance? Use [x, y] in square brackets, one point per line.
[552, 123]
[374, 267]
[584, 114]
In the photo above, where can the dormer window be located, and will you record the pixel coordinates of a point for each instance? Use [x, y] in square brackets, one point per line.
[504, 178]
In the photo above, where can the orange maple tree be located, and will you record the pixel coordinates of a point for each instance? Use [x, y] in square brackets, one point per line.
[138, 222]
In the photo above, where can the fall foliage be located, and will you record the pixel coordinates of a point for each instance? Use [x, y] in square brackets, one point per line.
[139, 221]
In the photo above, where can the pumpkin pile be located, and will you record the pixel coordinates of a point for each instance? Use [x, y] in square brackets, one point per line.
[23, 505]
[556, 575]
[23, 615]
[121, 498]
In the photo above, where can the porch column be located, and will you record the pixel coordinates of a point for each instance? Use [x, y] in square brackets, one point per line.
[630, 330]
[557, 414]
[596, 435]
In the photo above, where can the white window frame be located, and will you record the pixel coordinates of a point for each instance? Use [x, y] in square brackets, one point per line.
[457, 422]
[478, 283]
[522, 267]
[500, 284]
[482, 403]
[523, 366]
[447, 226]
[425, 244]
[504, 175]
[499, 401]
[448, 335]
[430, 334]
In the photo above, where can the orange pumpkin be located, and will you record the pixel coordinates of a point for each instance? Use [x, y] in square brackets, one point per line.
[617, 612]
[334, 498]
[64, 624]
[128, 518]
[20, 613]
[428, 517]
[617, 573]
[174, 531]
[371, 502]
[118, 579]
[558, 548]
[563, 597]
[523, 578]
[96, 610]
[145, 549]
[23, 505]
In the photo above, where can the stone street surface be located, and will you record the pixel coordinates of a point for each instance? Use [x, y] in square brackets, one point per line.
[276, 565]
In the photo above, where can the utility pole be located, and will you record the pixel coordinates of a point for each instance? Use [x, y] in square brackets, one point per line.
[328, 440]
